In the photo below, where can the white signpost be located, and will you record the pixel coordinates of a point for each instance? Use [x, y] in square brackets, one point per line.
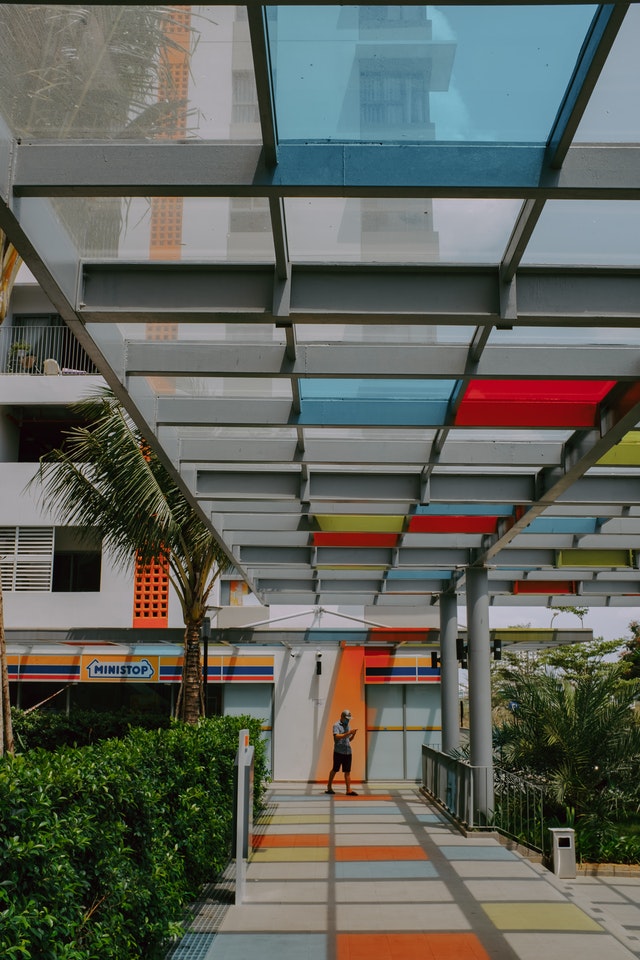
[243, 809]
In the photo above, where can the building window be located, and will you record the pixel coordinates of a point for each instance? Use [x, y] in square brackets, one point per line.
[375, 16]
[245, 98]
[77, 572]
[393, 98]
[26, 558]
[49, 560]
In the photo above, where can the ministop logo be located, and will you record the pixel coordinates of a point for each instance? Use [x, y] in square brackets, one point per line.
[141, 669]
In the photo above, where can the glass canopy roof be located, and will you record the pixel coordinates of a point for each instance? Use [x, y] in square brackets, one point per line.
[367, 275]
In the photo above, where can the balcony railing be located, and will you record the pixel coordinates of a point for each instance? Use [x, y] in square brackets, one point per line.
[42, 350]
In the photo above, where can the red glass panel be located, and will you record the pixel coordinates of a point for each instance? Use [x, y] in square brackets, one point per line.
[401, 635]
[329, 539]
[544, 586]
[532, 403]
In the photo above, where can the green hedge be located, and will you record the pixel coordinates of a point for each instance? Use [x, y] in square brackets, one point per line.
[102, 847]
[51, 729]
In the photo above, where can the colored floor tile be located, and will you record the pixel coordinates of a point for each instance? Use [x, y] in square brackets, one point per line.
[409, 946]
[268, 946]
[291, 840]
[386, 852]
[539, 916]
[284, 818]
[349, 810]
[292, 854]
[387, 870]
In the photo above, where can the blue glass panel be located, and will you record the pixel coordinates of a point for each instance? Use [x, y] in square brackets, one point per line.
[562, 525]
[375, 402]
[486, 73]
[330, 389]
[466, 510]
[383, 413]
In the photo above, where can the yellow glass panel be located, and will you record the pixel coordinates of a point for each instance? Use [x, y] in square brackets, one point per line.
[354, 523]
[624, 454]
[595, 558]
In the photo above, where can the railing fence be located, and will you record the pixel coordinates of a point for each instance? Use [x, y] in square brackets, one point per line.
[517, 807]
[40, 350]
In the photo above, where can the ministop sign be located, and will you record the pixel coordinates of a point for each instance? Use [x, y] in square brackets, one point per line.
[119, 668]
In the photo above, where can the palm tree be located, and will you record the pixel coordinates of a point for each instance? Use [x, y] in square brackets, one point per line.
[108, 480]
[577, 733]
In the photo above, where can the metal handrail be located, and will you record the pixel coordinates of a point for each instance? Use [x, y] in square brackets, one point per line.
[42, 350]
[517, 809]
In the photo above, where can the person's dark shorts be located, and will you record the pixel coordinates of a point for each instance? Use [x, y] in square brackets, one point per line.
[342, 760]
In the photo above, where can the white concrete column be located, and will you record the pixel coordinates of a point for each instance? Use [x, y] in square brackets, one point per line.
[449, 672]
[479, 658]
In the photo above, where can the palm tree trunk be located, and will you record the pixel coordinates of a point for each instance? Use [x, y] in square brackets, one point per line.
[190, 700]
[6, 734]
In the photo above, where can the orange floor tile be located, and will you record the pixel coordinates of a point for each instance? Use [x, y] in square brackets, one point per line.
[379, 853]
[377, 798]
[409, 946]
[291, 840]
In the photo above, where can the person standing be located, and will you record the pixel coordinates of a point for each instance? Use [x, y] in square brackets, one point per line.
[342, 737]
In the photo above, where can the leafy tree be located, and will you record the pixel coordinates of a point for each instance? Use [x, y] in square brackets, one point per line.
[108, 480]
[574, 730]
[631, 656]
[579, 612]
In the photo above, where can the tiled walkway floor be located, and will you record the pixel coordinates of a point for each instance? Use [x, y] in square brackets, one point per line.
[382, 876]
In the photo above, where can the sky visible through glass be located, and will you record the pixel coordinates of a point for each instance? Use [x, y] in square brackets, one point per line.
[464, 73]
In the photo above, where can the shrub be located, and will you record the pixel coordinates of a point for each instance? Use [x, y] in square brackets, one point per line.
[50, 729]
[102, 847]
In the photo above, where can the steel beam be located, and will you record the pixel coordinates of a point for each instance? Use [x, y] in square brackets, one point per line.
[367, 295]
[197, 169]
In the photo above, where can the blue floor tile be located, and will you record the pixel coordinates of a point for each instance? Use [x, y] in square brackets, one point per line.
[268, 946]
[385, 870]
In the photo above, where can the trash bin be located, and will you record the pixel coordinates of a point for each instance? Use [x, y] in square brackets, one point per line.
[564, 852]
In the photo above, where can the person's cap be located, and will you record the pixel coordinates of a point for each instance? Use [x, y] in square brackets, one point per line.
[347, 714]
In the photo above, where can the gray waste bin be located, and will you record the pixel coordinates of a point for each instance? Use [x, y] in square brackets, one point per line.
[564, 852]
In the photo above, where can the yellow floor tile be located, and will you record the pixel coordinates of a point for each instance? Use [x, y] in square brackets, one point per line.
[539, 916]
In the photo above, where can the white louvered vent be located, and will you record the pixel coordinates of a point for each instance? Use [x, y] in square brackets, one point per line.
[26, 558]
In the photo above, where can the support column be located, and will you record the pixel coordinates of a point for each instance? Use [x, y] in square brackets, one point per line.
[479, 658]
[449, 672]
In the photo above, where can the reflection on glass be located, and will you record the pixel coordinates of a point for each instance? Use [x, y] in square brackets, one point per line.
[380, 333]
[399, 230]
[244, 387]
[476, 73]
[568, 336]
[599, 232]
[612, 112]
[167, 228]
[127, 72]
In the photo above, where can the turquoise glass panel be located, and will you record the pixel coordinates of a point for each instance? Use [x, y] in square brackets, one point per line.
[423, 73]
[466, 510]
[562, 525]
[329, 389]
[375, 402]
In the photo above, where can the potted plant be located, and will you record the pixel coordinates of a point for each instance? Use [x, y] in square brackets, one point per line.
[21, 357]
